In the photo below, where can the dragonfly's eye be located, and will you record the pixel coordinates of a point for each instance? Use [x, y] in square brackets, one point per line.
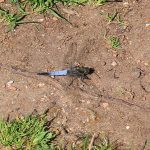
[91, 70]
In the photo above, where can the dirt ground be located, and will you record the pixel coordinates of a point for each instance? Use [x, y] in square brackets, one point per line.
[117, 102]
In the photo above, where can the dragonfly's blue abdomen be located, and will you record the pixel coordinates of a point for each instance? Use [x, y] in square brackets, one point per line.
[58, 73]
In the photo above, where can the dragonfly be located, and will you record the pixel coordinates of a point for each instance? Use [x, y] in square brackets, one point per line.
[75, 72]
[82, 72]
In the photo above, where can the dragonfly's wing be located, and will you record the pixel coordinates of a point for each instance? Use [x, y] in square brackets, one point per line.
[69, 61]
[78, 54]
[70, 57]
[105, 96]
[90, 90]
[81, 56]
[83, 53]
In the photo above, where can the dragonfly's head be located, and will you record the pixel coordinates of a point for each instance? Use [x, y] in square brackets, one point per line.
[91, 70]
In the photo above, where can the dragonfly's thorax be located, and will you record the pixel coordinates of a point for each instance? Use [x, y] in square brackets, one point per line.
[80, 71]
[83, 70]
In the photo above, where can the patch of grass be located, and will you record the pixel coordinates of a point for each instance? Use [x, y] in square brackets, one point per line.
[74, 2]
[13, 20]
[33, 133]
[114, 17]
[111, 17]
[120, 20]
[25, 7]
[41, 6]
[114, 41]
[95, 143]
[28, 133]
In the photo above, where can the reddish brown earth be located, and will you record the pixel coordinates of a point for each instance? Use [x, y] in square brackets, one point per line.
[52, 45]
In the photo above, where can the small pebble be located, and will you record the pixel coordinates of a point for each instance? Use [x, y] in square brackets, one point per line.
[87, 120]
[55, 18]
[127, 127]
[104, 63]
[12, 88]
[115, 54]
[52, 93]
[41, 84]
[53, 77]
[88, 102]
[125, 4]
[130, 42]
[146, 64]
[147, 24]
[41, 20]
[9, 86]
[10, 82]
[113, 63]
[105, 105]
[44, 98]
[136, 73]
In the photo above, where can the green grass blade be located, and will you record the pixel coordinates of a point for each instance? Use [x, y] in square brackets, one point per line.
[56, 14]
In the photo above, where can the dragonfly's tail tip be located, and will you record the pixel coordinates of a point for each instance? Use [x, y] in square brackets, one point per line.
[43, 73]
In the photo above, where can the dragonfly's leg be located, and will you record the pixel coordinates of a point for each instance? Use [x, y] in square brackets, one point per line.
[82, 79]
[86, 77]
[73, 79]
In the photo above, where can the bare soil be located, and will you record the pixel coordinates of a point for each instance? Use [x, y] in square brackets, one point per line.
[117, 102]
